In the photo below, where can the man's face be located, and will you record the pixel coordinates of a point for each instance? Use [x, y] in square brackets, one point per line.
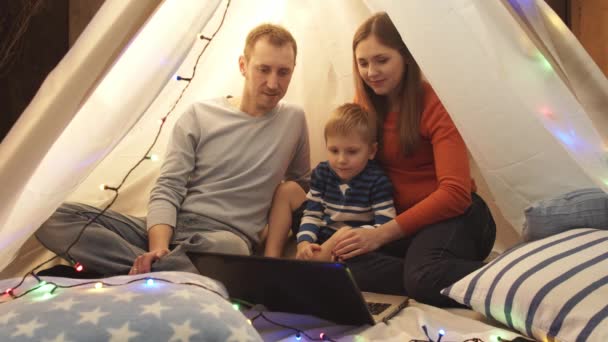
[267, 75]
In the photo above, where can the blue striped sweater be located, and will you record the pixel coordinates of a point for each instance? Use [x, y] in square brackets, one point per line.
[366, 201]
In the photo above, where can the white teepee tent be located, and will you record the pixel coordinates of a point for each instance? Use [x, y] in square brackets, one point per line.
[524, 94]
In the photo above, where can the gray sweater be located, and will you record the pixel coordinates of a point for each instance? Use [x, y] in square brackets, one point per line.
[223, 165]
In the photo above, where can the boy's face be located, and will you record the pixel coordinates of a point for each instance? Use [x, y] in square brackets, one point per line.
[348, 154]
[267, 75]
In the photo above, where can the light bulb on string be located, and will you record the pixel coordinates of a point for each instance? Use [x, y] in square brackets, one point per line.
[46, 296]
[298, 336]
[150, 282]
[78, 267]
[441, 332]
[152, 157]
[104, 187]
[98, 285]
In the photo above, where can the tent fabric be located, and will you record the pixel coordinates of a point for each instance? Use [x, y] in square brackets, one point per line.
[527, 131]
[508, 72]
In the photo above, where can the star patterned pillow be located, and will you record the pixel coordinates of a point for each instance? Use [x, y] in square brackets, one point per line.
[162, 306]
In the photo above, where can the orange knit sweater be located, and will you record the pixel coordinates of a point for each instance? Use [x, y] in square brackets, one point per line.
[434, 183]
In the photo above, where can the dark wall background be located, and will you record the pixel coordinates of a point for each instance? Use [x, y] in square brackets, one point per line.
[27, 57]
[562, 8]
[34, 37]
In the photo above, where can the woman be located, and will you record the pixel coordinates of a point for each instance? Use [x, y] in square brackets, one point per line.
[443, 230]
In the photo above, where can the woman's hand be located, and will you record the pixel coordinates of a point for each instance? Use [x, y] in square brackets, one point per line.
[359, 241]
[143, 263]
[356, 242]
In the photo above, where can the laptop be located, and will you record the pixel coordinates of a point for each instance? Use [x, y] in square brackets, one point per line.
[323, 289]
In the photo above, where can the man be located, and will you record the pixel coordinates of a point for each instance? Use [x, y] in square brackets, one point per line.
[224, 160]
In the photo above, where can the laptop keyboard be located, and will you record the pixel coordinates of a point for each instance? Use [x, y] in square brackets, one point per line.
[377, 308]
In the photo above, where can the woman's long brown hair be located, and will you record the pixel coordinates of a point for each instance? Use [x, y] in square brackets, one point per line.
[408, 123]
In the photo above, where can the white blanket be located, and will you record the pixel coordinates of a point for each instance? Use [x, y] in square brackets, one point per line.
[457, 324]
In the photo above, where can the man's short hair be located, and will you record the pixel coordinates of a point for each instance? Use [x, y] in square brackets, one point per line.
[277, 35]
[351, 118]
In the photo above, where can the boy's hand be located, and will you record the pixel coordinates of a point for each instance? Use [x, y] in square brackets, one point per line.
[306, 250]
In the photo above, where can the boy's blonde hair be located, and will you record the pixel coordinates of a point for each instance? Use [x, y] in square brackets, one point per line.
[277, 35]
[351, 118]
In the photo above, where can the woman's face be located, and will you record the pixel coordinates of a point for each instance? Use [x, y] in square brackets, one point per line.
[380, 66]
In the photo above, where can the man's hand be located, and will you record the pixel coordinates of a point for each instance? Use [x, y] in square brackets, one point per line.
[306, 250]
[143, 263]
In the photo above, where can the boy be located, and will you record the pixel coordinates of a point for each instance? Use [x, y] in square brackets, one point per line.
[349, 190]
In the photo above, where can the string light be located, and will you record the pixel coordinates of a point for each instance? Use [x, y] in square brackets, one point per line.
[152, 157]
[179, 78]
[78, 267]
[47, 296]
[298, 332]
[150, 282]
[426, 332]
[324, 337]
[441, 332]
[43, 286]
[54, 289]
[105, 187]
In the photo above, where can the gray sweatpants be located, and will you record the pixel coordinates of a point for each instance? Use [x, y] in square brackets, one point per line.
[111, 243]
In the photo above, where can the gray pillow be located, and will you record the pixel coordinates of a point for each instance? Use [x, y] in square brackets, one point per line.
[584, 208]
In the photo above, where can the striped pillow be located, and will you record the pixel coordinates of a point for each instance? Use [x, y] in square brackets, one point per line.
[554, 289]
